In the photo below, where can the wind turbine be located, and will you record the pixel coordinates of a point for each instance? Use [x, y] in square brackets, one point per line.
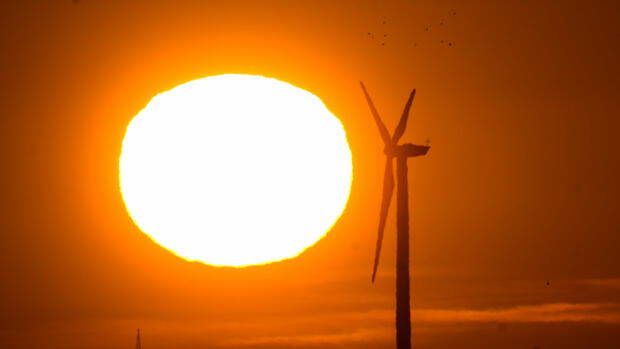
[401, 153]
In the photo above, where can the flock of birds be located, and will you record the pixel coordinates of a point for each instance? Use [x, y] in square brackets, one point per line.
[382, 38]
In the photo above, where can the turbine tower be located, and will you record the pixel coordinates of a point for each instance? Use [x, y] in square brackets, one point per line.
[401, 153]
[138, 343]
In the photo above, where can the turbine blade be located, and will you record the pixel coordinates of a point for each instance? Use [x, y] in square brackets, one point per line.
[388, 189]
[402, 124]
[385, 135]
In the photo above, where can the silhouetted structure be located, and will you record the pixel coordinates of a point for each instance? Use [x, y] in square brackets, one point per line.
[401, 153]
[138, 343]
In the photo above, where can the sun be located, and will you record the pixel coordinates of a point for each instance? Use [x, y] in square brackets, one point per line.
[235, 170]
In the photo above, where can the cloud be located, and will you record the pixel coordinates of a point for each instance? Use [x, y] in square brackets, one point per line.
[378, 325]
[556, 312]
[552, 312]
[363, 335]
[614, 283]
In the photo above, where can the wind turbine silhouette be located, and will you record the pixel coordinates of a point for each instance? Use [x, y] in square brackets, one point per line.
[401, 153]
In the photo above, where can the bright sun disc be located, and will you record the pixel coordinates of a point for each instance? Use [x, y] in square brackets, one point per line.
[235, 170]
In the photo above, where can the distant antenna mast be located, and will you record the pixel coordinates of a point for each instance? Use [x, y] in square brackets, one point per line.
[138, 344]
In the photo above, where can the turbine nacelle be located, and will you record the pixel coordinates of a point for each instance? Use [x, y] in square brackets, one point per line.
[407, 150]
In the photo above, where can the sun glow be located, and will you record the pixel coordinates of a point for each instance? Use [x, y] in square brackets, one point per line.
[235, 170]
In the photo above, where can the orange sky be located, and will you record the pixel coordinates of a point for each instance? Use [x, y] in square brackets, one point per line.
[520, 185]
